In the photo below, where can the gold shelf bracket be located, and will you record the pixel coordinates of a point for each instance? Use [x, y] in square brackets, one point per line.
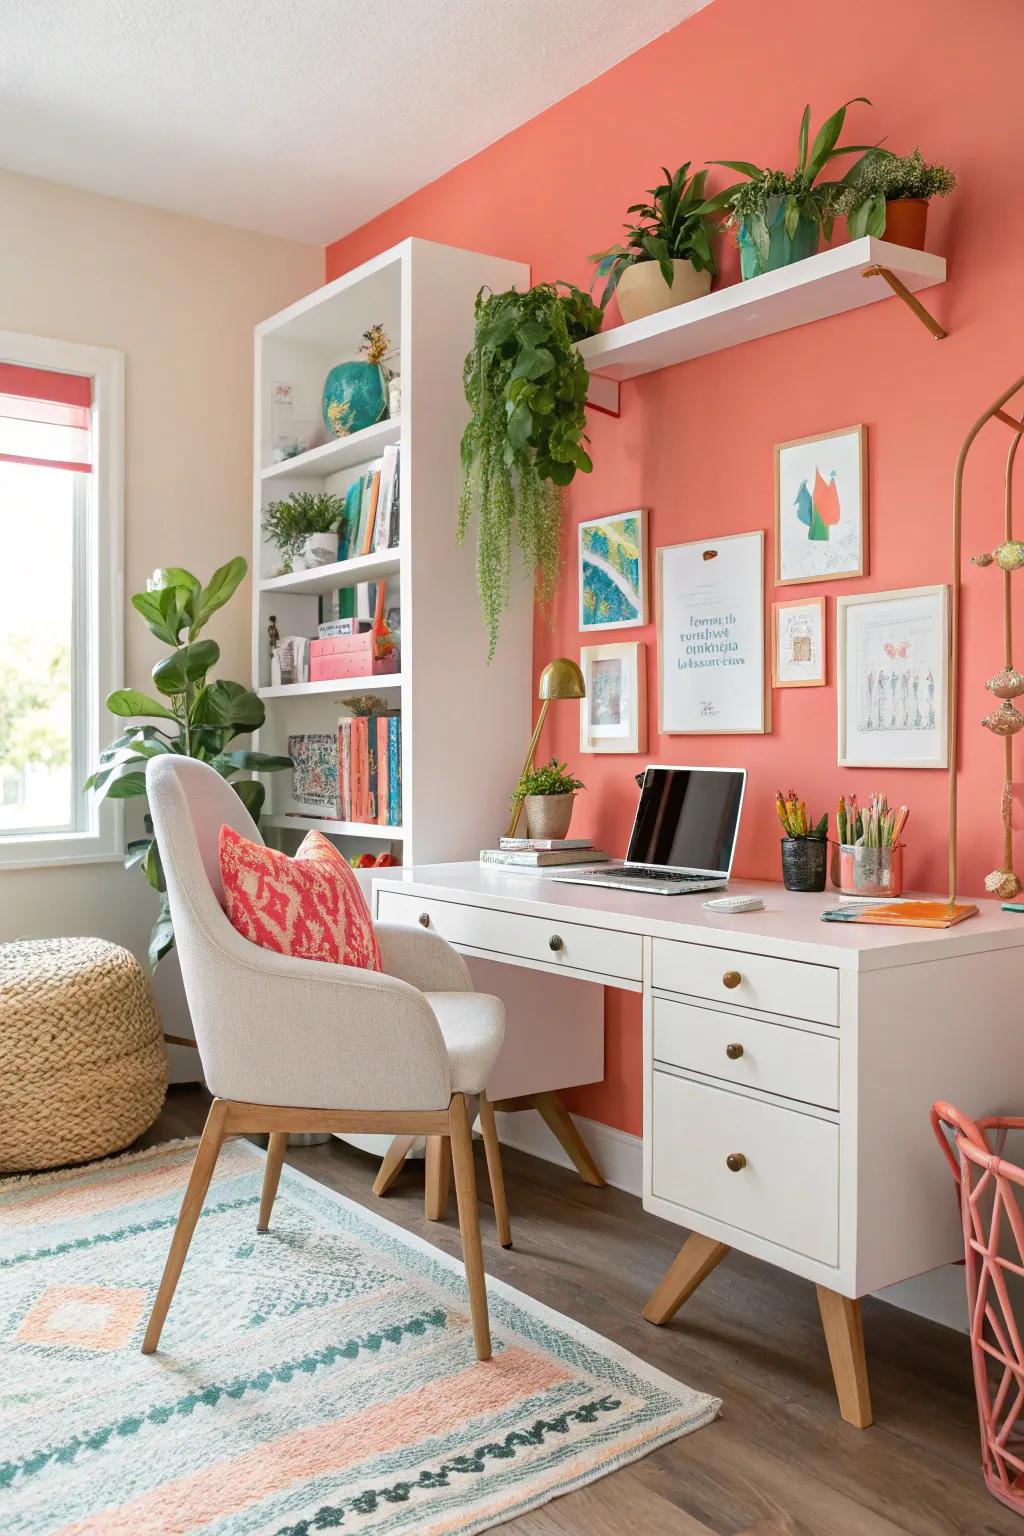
[913, 303]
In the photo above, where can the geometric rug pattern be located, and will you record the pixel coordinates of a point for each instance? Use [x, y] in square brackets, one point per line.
[318, 1377]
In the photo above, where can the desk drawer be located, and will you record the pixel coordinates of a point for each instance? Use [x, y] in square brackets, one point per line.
[789, 987]
[575, 946]
[792, 1062]
[787, 1191]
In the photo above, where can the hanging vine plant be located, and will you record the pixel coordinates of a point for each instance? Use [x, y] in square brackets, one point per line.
[527, 387]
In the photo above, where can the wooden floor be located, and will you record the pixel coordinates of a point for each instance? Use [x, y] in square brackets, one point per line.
[779, 1462]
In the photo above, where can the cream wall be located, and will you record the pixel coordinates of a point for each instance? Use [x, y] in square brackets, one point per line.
[179, 296]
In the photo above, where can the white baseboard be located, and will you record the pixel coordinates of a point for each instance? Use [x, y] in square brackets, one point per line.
[618, 1154]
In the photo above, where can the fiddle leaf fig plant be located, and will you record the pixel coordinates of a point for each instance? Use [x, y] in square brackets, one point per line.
[197, 718]
[526, 386]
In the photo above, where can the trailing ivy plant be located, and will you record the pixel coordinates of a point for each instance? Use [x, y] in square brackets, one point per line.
[198, 718]
[673, 226]
[883, 178]
[527, 386]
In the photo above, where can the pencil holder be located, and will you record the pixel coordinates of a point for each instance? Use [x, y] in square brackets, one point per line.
[804, 863]
[871, 871]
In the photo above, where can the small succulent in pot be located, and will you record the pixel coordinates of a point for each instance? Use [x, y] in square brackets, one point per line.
[547, 796]
[667, 258]
[887, 194]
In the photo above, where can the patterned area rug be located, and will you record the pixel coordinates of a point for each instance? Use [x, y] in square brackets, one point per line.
[319, 1377]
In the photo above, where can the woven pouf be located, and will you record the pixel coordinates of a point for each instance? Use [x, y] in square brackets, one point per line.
[83, 1069]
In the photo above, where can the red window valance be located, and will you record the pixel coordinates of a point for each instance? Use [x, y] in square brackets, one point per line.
[45, 417]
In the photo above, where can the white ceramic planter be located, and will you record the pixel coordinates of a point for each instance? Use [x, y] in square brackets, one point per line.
[643, 291]
[319, 549]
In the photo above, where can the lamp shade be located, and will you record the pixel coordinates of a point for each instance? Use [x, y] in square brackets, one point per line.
[561, 679]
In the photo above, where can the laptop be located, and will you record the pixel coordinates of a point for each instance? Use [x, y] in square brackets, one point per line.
[683, 837]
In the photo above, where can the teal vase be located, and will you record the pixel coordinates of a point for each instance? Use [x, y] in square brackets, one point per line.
[782, 250]
[355, 396]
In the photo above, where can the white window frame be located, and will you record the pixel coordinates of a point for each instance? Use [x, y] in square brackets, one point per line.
[99, 620]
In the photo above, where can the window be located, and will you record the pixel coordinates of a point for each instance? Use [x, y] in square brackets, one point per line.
[61, 594]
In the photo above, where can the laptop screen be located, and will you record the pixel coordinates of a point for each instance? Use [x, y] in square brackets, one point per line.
[688, 818]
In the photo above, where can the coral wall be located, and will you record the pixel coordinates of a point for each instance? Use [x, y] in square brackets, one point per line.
[694, 443]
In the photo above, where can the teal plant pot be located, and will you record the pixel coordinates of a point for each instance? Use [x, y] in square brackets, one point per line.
[782, 250]
[358, 393]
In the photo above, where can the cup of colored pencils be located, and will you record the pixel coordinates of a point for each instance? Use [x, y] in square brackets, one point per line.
[870, 846]
[804, 844]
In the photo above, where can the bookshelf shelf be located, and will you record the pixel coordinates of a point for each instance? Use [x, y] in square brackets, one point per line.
[342, 453]
[334, 828]
[334, 688]
[343, 573]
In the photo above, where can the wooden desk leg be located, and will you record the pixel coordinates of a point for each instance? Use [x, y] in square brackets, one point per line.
[439, 1177]
[692, 1264]
[393, 1162]
[844, 1335]
[558, 1118]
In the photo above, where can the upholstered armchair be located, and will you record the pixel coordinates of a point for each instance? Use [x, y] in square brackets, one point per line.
[300, 1045]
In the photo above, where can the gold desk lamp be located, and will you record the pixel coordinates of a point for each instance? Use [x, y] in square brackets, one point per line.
[561, 679]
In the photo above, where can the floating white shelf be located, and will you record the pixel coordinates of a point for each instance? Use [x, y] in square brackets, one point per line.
[830, 283]
[334, 687]
[342, 453]
[343, 573]
[334, 828]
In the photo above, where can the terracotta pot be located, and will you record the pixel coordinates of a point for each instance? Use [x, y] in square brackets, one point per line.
[548, 815]
[643, 291]
[905, 221]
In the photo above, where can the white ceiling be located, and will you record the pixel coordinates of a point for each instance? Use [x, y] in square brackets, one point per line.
[301, 117]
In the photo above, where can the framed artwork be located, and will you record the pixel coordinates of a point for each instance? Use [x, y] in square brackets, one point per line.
[613, 715]
[821, 507]
[711, 661]
[798, 644]
[613, 571]
[893, 678]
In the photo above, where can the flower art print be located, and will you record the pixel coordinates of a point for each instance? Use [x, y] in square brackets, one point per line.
[821, 523]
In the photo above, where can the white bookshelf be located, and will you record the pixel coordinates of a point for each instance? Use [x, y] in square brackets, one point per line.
[464, 723]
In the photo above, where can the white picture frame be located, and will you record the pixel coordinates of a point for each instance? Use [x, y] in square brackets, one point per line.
[892, 678]
[821, 507]
[711, 637]
[613, 591]
[613, 713]
[798, 643]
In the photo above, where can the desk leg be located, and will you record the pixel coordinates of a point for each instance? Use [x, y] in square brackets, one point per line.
[844, 1335]
[559, 1120]
[691, 1266]
[439, 1177]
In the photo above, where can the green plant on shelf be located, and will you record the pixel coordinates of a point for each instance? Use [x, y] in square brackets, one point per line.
[553, 778]
[886, 178]
[289, 523]
[197, 718]
[673, 226]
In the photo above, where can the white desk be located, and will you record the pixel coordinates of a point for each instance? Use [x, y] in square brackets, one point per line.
[789, 1066]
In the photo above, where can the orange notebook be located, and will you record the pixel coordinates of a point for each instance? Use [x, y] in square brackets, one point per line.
[905, 914]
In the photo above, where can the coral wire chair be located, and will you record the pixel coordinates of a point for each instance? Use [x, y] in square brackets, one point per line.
[990, 1191]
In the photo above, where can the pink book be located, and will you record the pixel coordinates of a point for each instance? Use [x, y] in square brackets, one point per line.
[381, 725]
[360, 769]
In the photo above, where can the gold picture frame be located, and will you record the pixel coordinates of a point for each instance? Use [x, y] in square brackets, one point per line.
[801, 558]
[799, 671]
[613, 714]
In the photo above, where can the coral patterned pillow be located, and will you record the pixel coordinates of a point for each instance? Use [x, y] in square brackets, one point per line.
[310, 906]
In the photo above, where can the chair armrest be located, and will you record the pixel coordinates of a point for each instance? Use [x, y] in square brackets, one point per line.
[421, 958]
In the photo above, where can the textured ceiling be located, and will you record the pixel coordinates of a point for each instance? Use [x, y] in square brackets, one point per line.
[295, 118]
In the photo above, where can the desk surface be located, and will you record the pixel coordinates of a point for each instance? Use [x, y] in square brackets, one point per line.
[789, 926]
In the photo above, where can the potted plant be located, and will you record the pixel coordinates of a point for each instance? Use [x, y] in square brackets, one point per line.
[779, 217]
[547, 795]
[667, 258]
[305, 528]
[193, 717]
[356, 393]
[804, 846]
[526, 385]
[888, 195]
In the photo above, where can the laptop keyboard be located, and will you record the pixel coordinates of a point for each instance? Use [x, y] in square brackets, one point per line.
[655, 874]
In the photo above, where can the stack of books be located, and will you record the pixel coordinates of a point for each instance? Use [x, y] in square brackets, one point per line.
[371, 509]
[353, 775]
[533, 853]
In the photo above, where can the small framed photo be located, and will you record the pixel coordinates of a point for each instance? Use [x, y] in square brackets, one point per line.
[798, 644]
[821, 507]
[893, 678]
[613, 715]
[613, 571]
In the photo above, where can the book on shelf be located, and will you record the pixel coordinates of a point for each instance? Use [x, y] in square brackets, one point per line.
[369, 766]
[368, 515]
[541, 844]
[388, 492]
[315, 774]
[541, 858]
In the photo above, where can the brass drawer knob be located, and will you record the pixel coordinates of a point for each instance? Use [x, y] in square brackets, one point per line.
[731, 979]
[734, 1051]
[424, 919]
[735, 1162]
[555, 942]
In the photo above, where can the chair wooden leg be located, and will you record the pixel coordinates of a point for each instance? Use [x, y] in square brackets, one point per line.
[492, 1147]
[393, 1162]
[692, 1264]
[271, 1177]
[439, 1173]
[558, 1118]
[195, 1193]
[469, 1222]
[844, 1335]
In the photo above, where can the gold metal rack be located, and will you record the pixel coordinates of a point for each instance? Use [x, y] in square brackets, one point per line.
[911, 300]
